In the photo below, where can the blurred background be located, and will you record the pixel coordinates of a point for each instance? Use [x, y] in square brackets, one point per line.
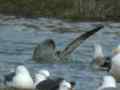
[68, 9]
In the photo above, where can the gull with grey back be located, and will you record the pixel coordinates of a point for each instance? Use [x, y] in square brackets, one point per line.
[46, 51]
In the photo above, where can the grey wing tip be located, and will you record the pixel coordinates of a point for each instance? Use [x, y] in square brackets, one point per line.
[91, 32]
[99, 26]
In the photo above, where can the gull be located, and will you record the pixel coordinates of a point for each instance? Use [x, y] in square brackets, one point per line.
[100, 61]
[20, 78]
[46, 51]
[109, 83]
[55, 84]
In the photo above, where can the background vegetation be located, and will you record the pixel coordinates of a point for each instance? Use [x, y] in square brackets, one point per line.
[72, 9]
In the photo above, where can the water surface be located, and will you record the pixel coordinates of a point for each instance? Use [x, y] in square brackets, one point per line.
[18, 37]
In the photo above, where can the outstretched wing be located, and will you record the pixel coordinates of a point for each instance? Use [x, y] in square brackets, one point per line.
[80, 39]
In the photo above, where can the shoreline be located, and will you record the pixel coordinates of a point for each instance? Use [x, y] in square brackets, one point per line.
[12, 16]
[71, 10]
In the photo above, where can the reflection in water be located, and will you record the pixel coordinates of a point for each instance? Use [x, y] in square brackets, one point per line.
[17, 42]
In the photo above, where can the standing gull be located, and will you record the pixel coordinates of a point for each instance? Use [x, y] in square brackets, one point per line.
[19, 79]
